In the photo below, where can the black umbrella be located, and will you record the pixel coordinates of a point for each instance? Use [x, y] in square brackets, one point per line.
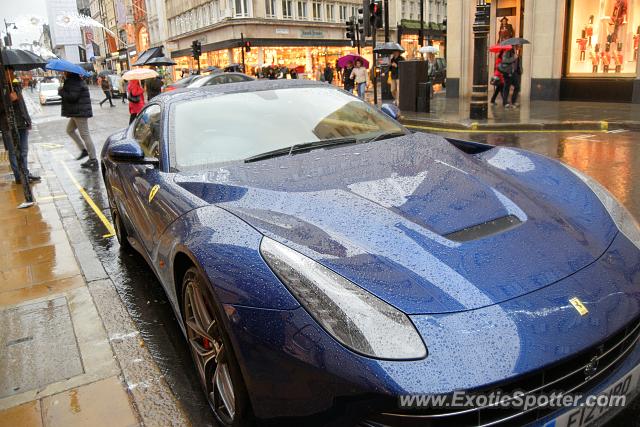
[388, 48]
[22, 60]
[161, 60]
[105, 73]
[515, 41]
[212, 69]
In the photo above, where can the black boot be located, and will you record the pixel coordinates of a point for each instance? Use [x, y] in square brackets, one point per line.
[90, 164]
[82, 155]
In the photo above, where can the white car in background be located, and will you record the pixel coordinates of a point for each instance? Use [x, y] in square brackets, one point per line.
[48, 92]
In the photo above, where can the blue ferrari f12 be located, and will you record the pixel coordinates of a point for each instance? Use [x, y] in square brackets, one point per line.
[325, 262]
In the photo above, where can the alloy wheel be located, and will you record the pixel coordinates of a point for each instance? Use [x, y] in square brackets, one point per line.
[208, 350]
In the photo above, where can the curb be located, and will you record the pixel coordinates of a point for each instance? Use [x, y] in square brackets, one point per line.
[586, 125]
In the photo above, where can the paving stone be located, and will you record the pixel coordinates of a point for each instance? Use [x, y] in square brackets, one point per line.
[27, 415]
[37, 346]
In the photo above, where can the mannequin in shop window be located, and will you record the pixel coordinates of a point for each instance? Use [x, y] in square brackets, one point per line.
[618, 18]
[506, 30]
[618, 58]
[582, 45]
[606, 59]
[588, 30]
[595, 58]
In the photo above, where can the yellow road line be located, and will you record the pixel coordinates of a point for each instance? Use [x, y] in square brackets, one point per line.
[90, 202]
[435, 129]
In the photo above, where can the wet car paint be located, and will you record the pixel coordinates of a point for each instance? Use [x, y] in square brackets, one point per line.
[613, 159]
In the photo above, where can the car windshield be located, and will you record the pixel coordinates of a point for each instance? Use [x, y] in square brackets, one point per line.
[237, 126]
[49, 86]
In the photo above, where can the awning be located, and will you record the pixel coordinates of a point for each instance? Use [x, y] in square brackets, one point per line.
[153, 52]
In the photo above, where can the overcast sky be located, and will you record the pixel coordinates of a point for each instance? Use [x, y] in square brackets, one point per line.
[17, 10]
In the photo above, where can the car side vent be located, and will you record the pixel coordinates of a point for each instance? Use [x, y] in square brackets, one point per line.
[485, 229]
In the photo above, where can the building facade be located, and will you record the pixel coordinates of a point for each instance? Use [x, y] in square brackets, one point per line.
[408, 24]
[301, 34]
[580, 49]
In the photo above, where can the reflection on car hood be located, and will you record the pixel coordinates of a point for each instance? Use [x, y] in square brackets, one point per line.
[49, 93]
[379, 214]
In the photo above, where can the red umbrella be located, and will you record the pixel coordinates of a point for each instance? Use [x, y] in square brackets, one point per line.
[299, 69]
[497, 48]
[352, 57]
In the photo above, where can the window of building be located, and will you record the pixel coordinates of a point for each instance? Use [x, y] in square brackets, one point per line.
[330, 13]
[270, 8]
[316, 10]
[343, 13]
[403, 9]
[412, 6]
[603, 38]
[354, 11]
[241, 8]
[287, 9]
[215, 10]
[302, 10]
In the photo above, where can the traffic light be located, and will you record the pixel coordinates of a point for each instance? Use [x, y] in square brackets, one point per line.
[376, 19]
[351, 32]
[196, 49]
[247, 46]
[364, 17]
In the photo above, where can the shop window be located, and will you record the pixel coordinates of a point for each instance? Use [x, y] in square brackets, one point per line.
[241, 8]
[270, 8]
[287, 9]
[302, 10]
[603, 38]
[330, 13]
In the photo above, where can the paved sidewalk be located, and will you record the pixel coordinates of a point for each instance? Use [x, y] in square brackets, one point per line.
[70, 355]
[453, 113]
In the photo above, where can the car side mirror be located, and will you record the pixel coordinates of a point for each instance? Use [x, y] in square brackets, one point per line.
[391, 111]
[129, 151]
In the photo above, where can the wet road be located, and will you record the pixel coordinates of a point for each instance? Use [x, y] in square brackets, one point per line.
[612, 158]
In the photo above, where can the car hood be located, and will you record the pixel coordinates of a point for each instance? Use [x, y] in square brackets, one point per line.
[49, 93]
[382, 215]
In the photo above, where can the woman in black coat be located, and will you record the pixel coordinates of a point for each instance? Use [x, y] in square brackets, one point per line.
[23, 123]
[76, 105]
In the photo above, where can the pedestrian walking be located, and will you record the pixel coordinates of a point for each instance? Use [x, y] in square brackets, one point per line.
[105, 84]
[395, 76]
[154, 87]
[328, 74]
[507, 68]
[347, 81]
[497, 80]
[123, 90]
[360, 76]
[23, 122]
[76, 105]
[516, 78]
[135, 95]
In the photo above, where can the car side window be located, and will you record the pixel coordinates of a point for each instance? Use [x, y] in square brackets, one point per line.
[147, 131]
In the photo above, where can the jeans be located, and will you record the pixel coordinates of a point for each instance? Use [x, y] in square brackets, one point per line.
[107, 95]
[362, 87]
[83, 141]
[24, 151]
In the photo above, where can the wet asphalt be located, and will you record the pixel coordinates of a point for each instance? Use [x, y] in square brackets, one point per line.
[613, 158]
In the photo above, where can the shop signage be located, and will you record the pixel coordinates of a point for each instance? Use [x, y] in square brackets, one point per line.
[311, 34]
[282, 31]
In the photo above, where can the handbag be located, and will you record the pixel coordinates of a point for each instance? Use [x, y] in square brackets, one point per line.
[133, 98]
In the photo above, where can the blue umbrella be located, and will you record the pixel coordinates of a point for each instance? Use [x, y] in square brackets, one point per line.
[63, 65]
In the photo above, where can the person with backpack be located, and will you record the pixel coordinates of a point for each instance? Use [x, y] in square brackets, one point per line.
[507, 68]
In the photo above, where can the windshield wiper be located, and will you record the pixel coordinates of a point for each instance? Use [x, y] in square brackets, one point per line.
[297, 148]
[386, 135]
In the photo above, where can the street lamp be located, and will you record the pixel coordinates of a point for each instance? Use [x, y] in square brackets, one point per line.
[6, 27]
[479, 92]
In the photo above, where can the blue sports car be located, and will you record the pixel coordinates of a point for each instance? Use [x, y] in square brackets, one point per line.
[328, 266]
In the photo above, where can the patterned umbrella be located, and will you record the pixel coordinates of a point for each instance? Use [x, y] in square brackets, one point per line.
[140, 74]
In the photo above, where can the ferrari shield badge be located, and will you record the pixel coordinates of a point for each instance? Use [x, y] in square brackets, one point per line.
[153, 192]
[579, 306]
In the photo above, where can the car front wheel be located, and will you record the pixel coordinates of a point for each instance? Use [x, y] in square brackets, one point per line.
[216, 364]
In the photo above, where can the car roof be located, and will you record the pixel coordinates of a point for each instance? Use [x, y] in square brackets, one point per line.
[184, 94]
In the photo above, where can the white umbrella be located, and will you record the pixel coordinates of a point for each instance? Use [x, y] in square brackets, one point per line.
[428, 49]
[140, 74]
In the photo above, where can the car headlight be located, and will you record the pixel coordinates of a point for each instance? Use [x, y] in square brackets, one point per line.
[356, 318]
[625, 222]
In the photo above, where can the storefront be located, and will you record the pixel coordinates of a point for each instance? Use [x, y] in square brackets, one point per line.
[409, 38]
[265, 53]
[584, 50]
[601, 47]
